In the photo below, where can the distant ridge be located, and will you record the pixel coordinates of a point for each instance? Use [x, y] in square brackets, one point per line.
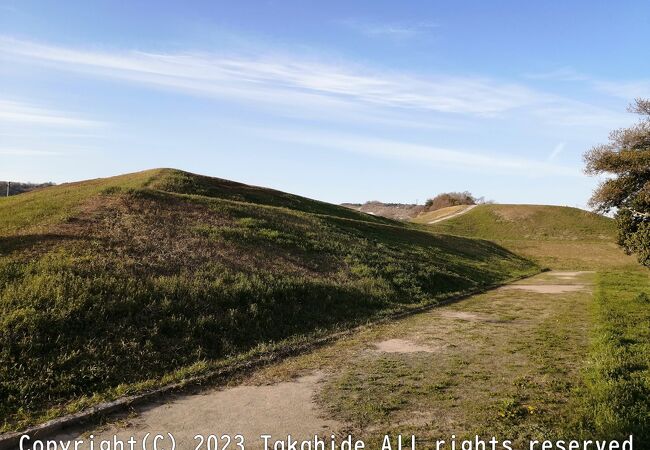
[395, 211]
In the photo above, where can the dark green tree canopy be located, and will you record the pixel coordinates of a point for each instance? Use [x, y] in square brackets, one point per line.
[625, 160]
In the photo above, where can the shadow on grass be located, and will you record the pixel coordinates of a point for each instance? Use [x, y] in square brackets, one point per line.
[478, 249]
[20, 243]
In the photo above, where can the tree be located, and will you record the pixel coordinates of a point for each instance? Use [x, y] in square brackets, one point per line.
[625, 159]
[14, 187]
[450, 199]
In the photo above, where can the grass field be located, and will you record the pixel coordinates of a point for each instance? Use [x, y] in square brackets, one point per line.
[617, 392]
[114, 286]
[614, 397]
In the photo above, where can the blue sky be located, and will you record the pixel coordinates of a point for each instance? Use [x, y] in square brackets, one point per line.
[337, 100]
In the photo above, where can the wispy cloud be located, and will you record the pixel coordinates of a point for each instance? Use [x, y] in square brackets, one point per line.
[27, 152]
[559, 148]
[570, 113]
[290, 84]
[561, 74]
[626, 89]
[285, 80]
[20, 112]
[397, 30]
[419, 154]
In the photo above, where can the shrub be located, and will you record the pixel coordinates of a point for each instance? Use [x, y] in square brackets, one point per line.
[450, 199]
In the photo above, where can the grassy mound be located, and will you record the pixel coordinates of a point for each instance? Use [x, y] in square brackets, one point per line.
[117, 285]
[558, 237]
[54, 204]
[531, 222]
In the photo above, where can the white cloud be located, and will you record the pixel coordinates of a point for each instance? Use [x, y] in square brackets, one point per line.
[285, 80]
[628, 90]
[570, 113]
[390, 30]
[561, 74]
[559, 148]
[301, 87]
[20, 112]
[418, 153]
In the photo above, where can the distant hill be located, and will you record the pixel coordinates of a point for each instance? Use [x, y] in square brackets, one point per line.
[410, 211]
[531, 222]
[556, 236]
[395, 211]
[117, 285]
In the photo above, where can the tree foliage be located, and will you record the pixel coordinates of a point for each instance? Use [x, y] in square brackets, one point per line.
[15, 188]
[450, 199]
[625, 160]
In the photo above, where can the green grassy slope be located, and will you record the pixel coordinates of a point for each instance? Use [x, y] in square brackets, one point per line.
[531, 222]
[43, 207]
[614, 400]
[112, 286]
[556, 236]
[56, 203]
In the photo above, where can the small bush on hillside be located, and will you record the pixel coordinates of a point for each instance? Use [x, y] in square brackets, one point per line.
[450, 199]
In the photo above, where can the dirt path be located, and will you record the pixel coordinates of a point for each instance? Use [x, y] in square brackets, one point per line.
[456, 214]
[505, 362]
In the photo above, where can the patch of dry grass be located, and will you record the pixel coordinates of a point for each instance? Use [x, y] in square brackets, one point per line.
[429, 216]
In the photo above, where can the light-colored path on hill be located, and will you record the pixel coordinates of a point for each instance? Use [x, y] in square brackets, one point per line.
[506, 361]
[456, 214]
